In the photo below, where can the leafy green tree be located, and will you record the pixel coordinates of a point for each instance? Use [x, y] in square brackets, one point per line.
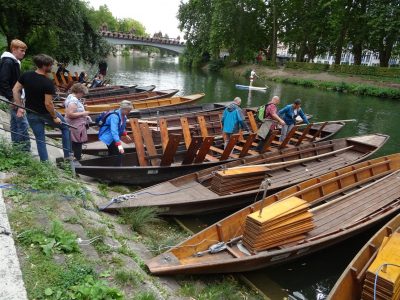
[128, 25]
[103, 17]
[61, 29]
[384, 23]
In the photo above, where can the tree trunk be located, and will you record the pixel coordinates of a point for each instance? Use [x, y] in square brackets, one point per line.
[274, 34]
[385, 51]
[357, 52]
[339, 46]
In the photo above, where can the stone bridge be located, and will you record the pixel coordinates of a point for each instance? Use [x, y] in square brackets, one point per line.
[117, 38]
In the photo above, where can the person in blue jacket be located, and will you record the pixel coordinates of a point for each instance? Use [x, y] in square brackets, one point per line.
[289, 114]
[113, 129]
[233, 120]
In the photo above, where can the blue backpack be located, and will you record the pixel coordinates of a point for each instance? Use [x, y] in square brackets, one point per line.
[102, 118]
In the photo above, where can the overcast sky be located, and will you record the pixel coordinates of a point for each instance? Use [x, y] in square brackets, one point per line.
[155, 15]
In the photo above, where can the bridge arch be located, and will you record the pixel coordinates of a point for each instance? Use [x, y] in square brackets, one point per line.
[117, 38]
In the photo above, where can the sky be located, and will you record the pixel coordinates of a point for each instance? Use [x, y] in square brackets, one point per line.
[155, 15]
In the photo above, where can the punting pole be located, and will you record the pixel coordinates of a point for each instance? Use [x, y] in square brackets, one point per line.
[333, 121]
[30, 110]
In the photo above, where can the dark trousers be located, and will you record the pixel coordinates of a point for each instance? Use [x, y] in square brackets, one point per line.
[113, 151]
[262, 142]
[77, 149]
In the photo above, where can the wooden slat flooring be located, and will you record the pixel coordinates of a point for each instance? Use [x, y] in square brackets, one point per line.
[355, 207]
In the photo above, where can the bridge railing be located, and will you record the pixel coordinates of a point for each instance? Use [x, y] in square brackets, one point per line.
[128, 36]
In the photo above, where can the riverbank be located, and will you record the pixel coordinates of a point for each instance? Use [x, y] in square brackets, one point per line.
[359, 85]
[68, 249]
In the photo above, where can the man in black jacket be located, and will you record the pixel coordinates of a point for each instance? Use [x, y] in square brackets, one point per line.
[10, 66]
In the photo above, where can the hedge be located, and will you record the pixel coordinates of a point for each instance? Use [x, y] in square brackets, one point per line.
[306, 66]
[343, 87]
[366, 70]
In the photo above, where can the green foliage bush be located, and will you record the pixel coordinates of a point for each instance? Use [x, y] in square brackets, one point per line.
[357, 89]
[215, 65]
[366, 70]
[306, 66]
[56, 240]
[138, 218]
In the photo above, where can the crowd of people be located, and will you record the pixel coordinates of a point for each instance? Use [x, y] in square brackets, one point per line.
[31, 105]
[233, 120]
[30, 96]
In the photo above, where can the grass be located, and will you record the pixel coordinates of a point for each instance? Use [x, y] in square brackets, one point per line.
[138, 219]
[225, 288]
[343, 87]
[128, 277]
[145, 296]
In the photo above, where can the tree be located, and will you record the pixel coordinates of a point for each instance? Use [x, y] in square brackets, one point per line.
[129, 25]
[103, 16]
[61, 29]
[384, 21]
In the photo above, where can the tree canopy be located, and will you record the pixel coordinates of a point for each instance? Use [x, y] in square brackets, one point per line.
[66, 30]
[307, 27]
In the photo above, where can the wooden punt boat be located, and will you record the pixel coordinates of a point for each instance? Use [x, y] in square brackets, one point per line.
[143, 104]
[116, 99]
[139, 96]
[199, 149]
[207, 191]
[343, 203]
[94, 94]
[350, 284]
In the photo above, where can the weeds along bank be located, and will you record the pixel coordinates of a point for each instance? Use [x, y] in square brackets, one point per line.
[69, 250]
[341, 80]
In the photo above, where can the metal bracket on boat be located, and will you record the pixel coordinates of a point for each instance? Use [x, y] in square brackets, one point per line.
[265, 184]
[218, 247]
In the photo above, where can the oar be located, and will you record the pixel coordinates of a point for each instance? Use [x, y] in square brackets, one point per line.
[291, 161]
[30, 110]
[333, 121]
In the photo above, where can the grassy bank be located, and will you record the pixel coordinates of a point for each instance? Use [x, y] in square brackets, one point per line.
[358, 85]
[69, 250]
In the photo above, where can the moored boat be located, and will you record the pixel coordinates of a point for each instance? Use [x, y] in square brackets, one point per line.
[143, 104]
[342, 204]
[349, 286]
[222, 187]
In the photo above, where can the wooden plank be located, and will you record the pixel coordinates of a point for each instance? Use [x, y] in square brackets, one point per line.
[186, 132]
[252, 121]
[137, 138]
[194, 146]
[228, 149]
[149, 143]
[205, 147]
[318, 133]
[203, 126]
[286, 141]
[70, 80]
[303, 135]
[248, 144]
[55, 79]
[63, 78]
[268, 144]
[164, 133]
[168, 156]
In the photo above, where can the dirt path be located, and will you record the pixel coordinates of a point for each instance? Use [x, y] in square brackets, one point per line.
[267, 72]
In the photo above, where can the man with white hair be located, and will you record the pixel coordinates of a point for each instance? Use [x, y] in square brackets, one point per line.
[270, 120]
[233, 120]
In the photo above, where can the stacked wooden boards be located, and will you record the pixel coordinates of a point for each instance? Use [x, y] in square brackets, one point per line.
[385, 271]
[282, 222]
[350, 284]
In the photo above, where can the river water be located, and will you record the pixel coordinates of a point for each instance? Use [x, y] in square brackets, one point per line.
[313, 276]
